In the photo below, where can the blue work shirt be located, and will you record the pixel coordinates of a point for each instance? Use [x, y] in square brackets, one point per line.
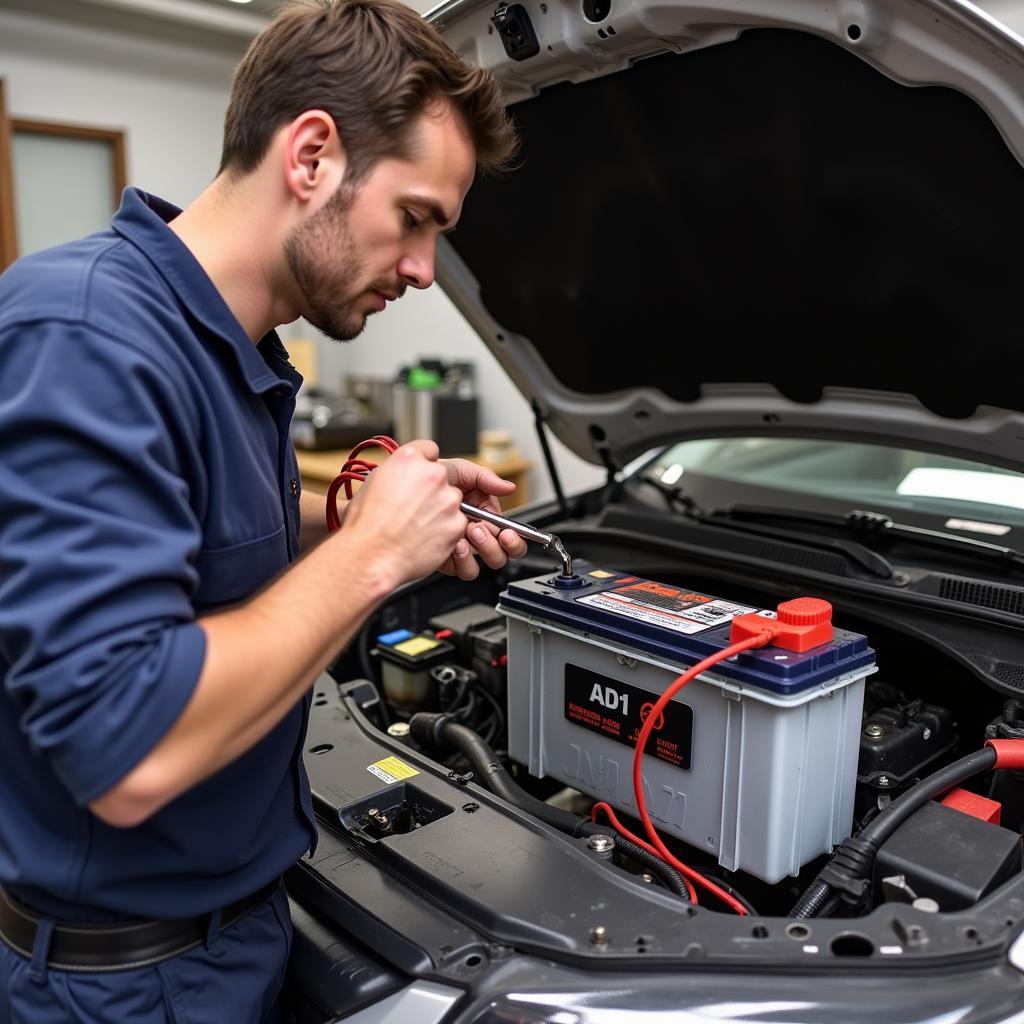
[146, 478]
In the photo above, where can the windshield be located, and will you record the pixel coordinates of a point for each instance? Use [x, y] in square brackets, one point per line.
[988, 499]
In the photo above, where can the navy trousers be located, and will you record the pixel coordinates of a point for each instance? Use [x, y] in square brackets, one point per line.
[234, 977]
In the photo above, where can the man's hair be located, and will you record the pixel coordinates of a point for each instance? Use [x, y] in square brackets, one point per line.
[374, 66]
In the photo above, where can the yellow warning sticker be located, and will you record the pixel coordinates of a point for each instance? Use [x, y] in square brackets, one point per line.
[600, 574]
[416, 645]
[391, 770]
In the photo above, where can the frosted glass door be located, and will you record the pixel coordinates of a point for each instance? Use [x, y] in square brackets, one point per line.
[63, 188]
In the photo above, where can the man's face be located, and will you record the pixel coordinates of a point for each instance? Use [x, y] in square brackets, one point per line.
[367, 244]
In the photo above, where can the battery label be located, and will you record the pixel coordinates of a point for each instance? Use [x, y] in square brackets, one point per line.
[668, 607]
[618, 711]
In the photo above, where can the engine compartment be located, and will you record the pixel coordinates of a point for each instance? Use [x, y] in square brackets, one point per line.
[920, 712]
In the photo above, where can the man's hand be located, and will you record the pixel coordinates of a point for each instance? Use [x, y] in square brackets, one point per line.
[482, 488]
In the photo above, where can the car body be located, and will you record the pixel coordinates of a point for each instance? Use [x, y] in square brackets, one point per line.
[761, 262]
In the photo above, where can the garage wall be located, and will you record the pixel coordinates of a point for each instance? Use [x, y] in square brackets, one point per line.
[170, 99]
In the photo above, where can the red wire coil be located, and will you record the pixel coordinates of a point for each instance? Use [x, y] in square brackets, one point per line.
[354, 471]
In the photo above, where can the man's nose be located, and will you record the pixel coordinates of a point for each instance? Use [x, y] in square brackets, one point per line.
[416, 269]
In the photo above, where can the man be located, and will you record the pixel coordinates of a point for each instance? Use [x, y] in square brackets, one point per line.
[158, 634]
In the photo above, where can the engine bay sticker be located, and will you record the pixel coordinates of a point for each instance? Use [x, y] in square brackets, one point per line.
[618, 711]
[669, 607]
[391, 770]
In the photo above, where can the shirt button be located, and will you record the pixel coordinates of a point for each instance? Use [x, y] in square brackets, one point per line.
[293, 487]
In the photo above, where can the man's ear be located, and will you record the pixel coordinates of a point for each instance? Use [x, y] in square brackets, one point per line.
[314, 156]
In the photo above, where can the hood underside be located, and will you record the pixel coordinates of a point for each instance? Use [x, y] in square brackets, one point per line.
[760, 229]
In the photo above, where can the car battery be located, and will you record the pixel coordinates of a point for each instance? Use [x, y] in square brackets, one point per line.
[754, 762]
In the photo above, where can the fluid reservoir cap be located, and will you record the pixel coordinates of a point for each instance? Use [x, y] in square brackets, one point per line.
[804, 611]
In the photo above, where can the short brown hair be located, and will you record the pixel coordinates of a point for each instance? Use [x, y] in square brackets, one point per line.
[374, 66]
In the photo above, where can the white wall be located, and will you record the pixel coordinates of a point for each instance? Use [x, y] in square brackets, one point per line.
[170, 100]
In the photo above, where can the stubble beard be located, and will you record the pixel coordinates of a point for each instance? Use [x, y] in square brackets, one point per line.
[325, 241]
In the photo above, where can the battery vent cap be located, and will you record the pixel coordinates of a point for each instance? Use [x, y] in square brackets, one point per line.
[804, 611]
[804, 622]
[800, 624]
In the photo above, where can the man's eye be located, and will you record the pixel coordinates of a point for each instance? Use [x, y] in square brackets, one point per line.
[410, 221]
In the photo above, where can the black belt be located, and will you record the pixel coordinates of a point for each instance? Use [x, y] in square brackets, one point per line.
[114, 947]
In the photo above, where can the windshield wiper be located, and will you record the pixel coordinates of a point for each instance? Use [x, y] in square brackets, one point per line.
[853, 551]
[875, 526]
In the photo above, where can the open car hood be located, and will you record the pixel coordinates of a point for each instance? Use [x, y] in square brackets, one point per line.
[753, 217]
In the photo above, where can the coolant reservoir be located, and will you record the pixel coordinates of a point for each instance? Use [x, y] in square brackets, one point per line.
[754, 761]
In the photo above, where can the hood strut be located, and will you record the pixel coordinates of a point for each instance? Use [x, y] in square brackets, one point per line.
[549, 461]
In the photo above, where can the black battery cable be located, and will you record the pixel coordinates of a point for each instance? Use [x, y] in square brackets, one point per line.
[847, 875]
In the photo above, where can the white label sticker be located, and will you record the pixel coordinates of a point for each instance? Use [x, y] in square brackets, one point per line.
[694, 619]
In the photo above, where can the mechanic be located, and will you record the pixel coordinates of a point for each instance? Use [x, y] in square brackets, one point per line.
[158, 632]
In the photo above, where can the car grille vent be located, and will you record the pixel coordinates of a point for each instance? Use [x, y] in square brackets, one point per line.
[1009, 673]
[985, 595]
[801, 558]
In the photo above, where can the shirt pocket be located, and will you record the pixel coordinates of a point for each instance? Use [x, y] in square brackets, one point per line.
[233, 573]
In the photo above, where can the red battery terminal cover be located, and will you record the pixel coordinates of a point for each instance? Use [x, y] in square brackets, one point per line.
[973, 804]
[801, 624]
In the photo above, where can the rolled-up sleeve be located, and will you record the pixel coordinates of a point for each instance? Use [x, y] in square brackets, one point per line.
[97, 547]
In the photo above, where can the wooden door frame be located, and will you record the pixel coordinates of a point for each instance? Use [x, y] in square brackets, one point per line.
[8, 233]
[8, 126]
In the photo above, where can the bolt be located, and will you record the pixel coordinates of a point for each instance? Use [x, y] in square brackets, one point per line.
[883, 780]
[874, 730]
[647, 877]
[927, 734]
[379, 818]
[601, 843]
[599, 935]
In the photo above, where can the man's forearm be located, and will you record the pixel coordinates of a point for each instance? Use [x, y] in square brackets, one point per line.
[260, 659]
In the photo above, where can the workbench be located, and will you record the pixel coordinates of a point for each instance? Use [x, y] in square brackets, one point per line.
[319, 468]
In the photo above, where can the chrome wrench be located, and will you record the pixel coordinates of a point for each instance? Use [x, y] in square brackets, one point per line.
[547, 540]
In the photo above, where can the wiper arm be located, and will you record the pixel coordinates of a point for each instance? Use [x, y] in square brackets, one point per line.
[870, 561]
[876, 525]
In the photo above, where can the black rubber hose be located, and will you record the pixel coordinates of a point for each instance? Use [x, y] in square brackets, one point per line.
[853, 860]
[442, 731]
[880, 828]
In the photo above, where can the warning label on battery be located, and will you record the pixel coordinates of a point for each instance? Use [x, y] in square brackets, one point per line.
[667, 607]
[618, 711]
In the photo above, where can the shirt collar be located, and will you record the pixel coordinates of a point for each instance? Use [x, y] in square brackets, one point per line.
[142, 219]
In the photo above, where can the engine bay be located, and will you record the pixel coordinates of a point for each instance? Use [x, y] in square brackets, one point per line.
[763, 767]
